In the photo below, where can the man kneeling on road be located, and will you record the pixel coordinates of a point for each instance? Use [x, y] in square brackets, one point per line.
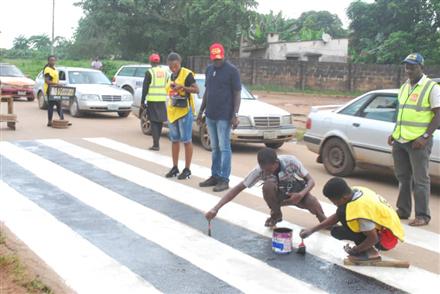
[367, 219]
[285, 182]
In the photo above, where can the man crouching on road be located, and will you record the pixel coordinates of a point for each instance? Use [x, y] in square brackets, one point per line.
[367, 220]
[285, 182]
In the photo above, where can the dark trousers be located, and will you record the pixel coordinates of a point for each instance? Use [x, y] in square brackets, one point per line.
[156, 132]
[343, 233]
[50, 105]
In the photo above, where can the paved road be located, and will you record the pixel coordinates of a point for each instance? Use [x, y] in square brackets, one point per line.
[93, 204]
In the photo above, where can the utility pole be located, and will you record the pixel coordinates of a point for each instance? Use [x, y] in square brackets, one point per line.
[52, 51]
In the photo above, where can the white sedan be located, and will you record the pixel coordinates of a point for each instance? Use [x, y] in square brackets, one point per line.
[94, 92]
[259, 122]
[356, 133]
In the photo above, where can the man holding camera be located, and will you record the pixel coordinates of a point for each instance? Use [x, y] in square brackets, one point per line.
[285, 182]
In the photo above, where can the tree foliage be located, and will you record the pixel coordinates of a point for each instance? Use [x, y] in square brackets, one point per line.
[385, 31]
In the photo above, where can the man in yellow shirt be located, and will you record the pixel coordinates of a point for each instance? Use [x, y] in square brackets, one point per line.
[51, 78]
[367, 219]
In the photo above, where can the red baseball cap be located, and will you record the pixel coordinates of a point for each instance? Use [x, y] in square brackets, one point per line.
[217, 51]
[154, 58]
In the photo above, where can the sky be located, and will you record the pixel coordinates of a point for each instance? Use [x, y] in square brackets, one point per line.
[35, 15]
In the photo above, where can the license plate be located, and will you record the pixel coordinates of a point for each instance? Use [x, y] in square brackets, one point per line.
[113, 107]
[21, 92]
[270, 135]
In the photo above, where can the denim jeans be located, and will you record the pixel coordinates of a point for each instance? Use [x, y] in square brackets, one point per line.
[220, 136]
[50, 106]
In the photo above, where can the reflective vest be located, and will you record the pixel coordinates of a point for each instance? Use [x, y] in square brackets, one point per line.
[414, 114]
[373, 207]
[157, 91]
[174, 113]
[54, 75]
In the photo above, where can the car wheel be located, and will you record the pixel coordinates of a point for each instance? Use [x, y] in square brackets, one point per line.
[124, 113]
[30, 98]
[145, 123]
[274, 145]
[129, 89]
[74, 109]
[41, 103]
[337, 158]
[204, 137]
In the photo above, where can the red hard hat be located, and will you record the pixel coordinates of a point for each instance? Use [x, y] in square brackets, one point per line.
[154, 58]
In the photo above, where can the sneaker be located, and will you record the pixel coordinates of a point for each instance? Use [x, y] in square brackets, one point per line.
[186, 174]
[221, 186]
[401, 215]
[154, 148]
[173, 172]
[49, 124]
[211, 182]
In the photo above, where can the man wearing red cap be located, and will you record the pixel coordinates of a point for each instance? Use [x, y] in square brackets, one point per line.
[221, 102]
[154, 86]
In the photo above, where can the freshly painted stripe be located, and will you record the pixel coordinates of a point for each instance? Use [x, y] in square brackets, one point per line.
[239, 270]
[138, 254]
[320, 244]
[415, 236]
[83, 267]
[308, 269]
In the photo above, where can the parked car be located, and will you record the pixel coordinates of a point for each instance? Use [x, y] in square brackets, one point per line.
[356, 134]
[14, 82]
[259, 122]
[130, 77]
[94, 92]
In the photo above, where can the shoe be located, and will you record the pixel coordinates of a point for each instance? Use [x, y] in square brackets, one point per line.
[272, 222]
[49, 124]
[69, 123]
[400, 214]
[173, 172]
[419, 221]
[211, 182]
[154, 148]
[221, 186]
[186, 174]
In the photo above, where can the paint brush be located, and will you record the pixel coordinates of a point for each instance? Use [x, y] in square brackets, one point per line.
[301, 248]
[209, 228]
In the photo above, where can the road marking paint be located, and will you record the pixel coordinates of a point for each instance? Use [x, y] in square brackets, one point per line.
[320, 244]
[82, 266]
[240, 270]
[415, 236]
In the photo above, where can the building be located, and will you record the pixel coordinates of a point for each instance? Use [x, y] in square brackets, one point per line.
[324, 50]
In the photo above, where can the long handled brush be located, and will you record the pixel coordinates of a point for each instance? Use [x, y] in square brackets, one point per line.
[209, 228]
[301, 248]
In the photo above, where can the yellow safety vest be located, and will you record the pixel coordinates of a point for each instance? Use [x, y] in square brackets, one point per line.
[414, 114]
[53, 73]
[373, 207]
[157, 91]
[174, 113]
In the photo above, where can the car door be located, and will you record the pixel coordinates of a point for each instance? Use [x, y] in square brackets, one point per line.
[139, 76]
[369, 129]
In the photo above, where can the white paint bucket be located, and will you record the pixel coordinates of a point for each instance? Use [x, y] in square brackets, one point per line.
[282, 240]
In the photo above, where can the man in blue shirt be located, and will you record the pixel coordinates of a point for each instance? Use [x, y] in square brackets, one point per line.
[221, 101]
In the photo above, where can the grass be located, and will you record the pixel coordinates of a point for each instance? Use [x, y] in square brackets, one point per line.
[31, 67]
[11, 263]
[286, 89]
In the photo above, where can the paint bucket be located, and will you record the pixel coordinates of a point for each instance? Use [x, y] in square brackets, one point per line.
[282, 240]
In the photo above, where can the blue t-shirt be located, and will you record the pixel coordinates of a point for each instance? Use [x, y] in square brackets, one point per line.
[221, 83]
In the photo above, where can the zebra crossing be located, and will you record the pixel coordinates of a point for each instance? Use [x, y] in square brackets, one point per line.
[106, 226]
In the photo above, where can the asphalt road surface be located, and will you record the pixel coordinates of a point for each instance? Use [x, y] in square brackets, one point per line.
[92, 203]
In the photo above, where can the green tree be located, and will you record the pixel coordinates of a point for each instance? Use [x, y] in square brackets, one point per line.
[20, 43]
[40, 42]
[263, 24]
[312, 24]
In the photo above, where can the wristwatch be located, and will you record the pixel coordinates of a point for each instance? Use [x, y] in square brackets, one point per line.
[425, 136]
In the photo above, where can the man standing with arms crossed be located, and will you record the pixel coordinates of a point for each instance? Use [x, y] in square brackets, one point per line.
[417, 119]
[221, 101]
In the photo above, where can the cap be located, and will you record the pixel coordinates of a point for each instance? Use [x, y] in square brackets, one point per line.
[414, 58]
[154, 58]
[216, 51]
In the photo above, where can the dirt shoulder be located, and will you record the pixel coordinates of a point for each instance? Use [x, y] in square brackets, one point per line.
[21, 271]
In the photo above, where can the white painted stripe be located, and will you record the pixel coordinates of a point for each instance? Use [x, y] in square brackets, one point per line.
[415, 236]
[319, 244]
[83, 267]
[242, 271]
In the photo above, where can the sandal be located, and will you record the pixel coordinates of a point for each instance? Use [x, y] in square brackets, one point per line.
[419, 221]
[365, 256]
[270, 222]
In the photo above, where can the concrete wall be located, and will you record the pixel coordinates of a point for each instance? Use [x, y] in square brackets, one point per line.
[316, 75]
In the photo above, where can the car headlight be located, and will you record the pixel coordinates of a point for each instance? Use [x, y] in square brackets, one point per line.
[127, 97]
[286, 120]
[90, 97]
[244, 121]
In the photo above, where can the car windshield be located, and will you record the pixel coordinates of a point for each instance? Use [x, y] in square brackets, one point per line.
[88, 77]
[10, 71]
[245, 94]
